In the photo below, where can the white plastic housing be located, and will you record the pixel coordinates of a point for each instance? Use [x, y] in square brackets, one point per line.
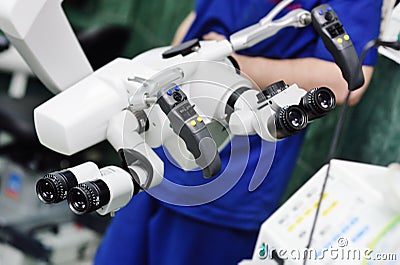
[156, 163]
[86, 172]
[242, 119]
[290, 96]
[43, 36]
[260, 124]
[392, 188]
[211, 86]
[78, 117]
[120, 185]
[11, 61]
[120, 128]
[241, 122]
[210, 51]
[122, 135]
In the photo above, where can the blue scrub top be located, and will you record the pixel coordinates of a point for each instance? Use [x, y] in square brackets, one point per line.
[241, 208]
[361, 20]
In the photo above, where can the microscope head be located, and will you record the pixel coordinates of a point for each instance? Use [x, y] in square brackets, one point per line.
[78, 117]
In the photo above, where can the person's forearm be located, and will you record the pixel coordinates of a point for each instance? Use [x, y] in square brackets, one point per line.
[307, 73]
[183, 28]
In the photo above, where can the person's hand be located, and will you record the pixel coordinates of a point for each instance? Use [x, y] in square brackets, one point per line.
[214, 36]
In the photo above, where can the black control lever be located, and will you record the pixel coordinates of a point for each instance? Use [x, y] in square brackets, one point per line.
[190, 127]
[327, 24]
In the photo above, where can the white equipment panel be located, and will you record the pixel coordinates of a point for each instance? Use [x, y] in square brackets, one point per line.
[359, 220]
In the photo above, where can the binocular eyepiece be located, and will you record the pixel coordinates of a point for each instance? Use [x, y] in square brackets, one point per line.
[113, 190]
[291, 119]
[53, 187]
[87, 188]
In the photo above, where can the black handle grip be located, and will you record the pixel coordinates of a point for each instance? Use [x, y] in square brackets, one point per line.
[190, 127]
[336, 40]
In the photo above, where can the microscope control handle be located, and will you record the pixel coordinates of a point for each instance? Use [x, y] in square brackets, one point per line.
[338, 43]
[190, 127]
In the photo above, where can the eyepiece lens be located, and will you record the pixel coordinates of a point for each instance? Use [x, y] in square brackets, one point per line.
[295, 118]
[78, 201]
[324, 99]
[287, 121]
[46, 190]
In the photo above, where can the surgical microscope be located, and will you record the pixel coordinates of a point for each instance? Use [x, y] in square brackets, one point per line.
[169, 96]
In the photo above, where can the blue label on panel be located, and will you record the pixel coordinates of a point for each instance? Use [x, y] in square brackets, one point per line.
[14, 186]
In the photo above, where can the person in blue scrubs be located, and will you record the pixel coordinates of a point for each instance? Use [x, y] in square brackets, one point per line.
[150, 230]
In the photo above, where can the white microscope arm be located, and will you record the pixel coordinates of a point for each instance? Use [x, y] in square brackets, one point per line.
[78, 117]
[266, 27]
[12, 62]
[43, 36]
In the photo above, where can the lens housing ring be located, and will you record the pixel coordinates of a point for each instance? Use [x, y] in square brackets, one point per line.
[318, 102]
[76, 197]
[56, 182]
[88, 197]
[289, 120]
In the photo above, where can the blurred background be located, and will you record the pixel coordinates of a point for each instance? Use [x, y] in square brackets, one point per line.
[371, 133]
